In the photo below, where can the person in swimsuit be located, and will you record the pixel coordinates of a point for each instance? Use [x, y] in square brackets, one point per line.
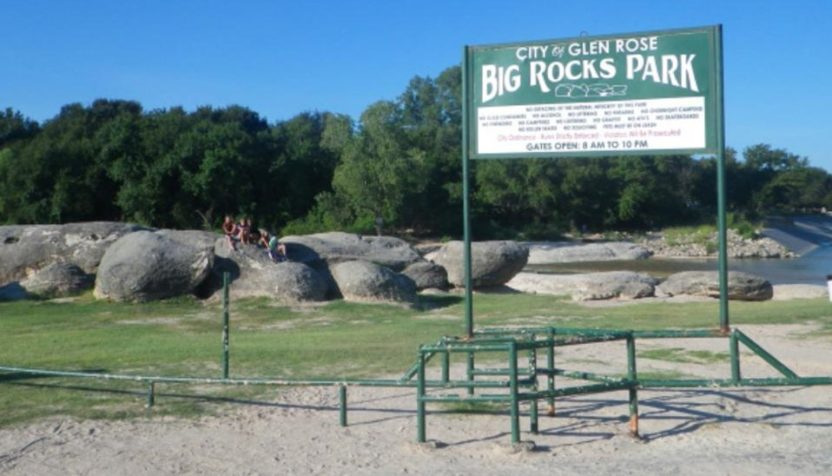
[231, 232]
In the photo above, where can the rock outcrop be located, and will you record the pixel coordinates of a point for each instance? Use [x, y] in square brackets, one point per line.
[493, 263]
[695, 247]
[741, 286]
[427, 275]
[570, 252]
[586, 287]
[254, 274]
[58, 280]
[337, 247]
[24, 249]
[368, 282]
[147, 265]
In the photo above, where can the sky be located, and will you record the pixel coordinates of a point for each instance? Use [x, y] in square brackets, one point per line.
[281, 58]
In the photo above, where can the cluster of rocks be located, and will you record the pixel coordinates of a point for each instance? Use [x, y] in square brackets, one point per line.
[738, 247]
[587, 286]
[125, 262]
[572, 252]
[631, 285]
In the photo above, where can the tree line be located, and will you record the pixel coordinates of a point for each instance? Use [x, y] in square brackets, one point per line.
[397, 167]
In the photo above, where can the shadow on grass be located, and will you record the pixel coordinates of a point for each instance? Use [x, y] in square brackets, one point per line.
[357, 406]
[14, 376]
[436, 301]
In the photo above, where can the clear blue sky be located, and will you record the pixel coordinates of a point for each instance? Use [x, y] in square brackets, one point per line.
[281, 58]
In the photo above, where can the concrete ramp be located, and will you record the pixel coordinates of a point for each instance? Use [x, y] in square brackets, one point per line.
[801, 233]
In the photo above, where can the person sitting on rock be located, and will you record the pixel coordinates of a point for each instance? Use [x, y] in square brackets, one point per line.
[244, 230]
[275, 249]
[254, 233]
[231, 232]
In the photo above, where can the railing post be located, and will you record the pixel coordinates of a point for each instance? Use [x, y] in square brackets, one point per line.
[446, 366]
[225, 318]
[151, 394]
[734, 348]
[550, 366]
[533, 424]
[420, 399]
[342, 400]
[632, 376]
[515, 404]
[470, 366]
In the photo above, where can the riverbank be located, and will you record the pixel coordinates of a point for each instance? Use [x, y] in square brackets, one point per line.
[704, 245]
[696, 243]
[661, 254]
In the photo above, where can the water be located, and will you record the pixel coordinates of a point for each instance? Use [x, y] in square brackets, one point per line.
[811, 268]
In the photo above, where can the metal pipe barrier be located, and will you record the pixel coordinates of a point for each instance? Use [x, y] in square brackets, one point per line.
[516, 385]
[523, 386]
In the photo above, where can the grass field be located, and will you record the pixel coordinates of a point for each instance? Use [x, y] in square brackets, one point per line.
[337, 339]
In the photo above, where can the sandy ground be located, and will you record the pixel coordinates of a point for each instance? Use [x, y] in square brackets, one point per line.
[697, 431]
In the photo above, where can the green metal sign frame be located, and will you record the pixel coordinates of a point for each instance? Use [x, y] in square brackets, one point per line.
[646, 93]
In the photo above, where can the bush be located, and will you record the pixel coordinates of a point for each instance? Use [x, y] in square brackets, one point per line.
[679, 235]
[744, 227]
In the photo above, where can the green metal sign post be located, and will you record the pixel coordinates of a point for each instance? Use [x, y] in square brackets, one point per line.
[645, 93]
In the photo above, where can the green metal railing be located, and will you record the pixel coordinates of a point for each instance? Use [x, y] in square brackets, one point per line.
[515, 384]
[523, 386]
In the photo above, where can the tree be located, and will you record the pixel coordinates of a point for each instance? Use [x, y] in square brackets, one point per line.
[762, 157]
[796, 190]
[57, 176]
[377, 173]
[15, 127]
[431, 119]
[588, 198]
[307, 151]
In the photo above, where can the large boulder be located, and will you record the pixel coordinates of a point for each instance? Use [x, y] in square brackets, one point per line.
[427, 275]
[587, 287]
[741, 286]
[493, 263]
[368, 282]
[569, 252]
[25, 249]
[197, 238]
[254, 274]
[147, 265]
[58, 280]
[338, 247]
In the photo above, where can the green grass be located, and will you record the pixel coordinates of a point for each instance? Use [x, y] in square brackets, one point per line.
[662, 375]
[678, 354]
[337, 339]
[679, 235]
[704, 234]
[473, 407]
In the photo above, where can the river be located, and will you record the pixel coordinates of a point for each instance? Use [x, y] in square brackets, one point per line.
[808, 235]
[810, 268]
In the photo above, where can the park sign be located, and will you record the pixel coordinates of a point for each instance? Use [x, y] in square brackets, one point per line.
[638, 93]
